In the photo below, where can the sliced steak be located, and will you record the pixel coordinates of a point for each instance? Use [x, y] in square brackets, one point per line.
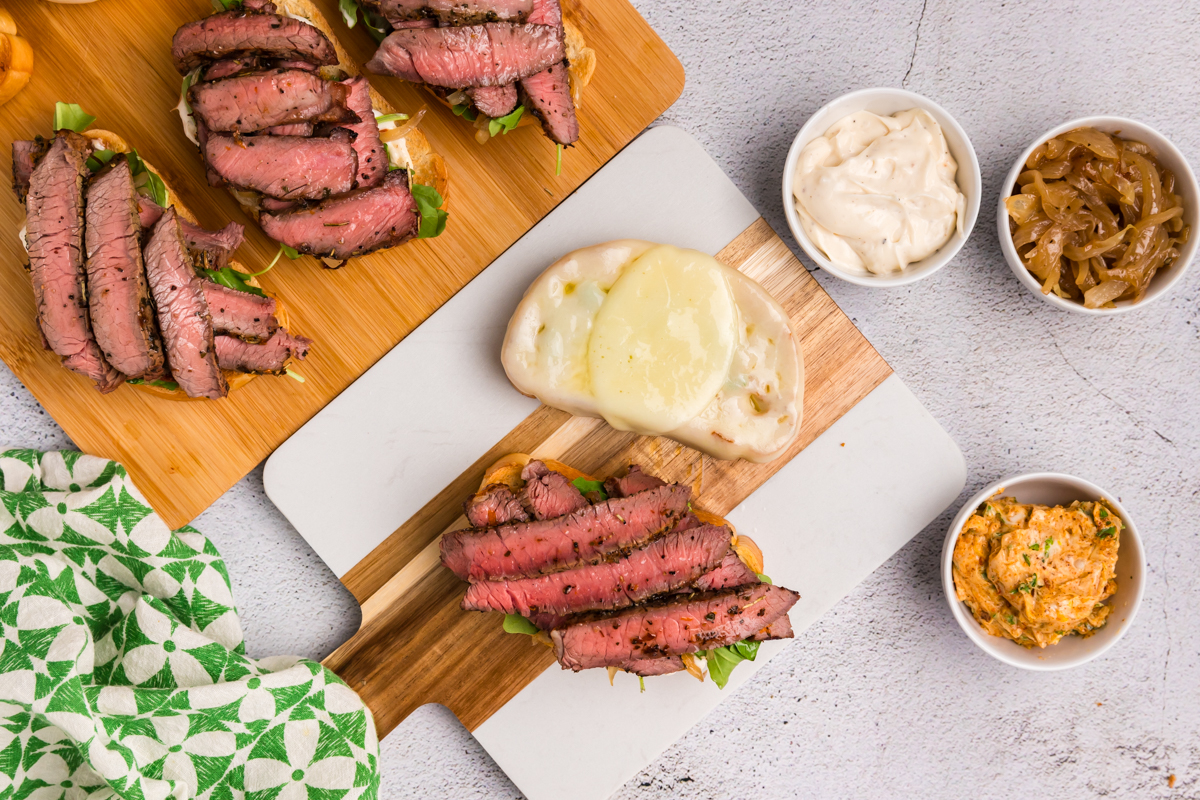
[261, 6]
[650, 667]
[259, 100]
[586, 537]
[54, 211]
[249, 34]
[354, 224]
[402, 13]
[546, 12]
[294, 129]
[183, 315]
[731, 572]
[372, 156]
[633, 482]
[220, 243]
[548, 94]
[118, 297]
[548, 494]
[285, 167]
[240, 313]
[494, 101]
[496, 506]
[25, 157]
[275, 206]
[269, 357]
[495, 54]
[671, 628]
[779, 629]
[666, 564]
[229, 66]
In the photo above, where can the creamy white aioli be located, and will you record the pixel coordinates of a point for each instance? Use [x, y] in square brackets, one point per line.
[876, 194]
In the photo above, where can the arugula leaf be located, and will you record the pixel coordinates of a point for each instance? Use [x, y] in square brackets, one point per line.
[377, 26]
[71, 117]
[232, 279]
[515, 623]
[764, 579]
[168, 385]
[433, 218]
[188, 80]
[558, 166]
[145, 181]
[289, 252]
[391, 118]
[722, 660]
[465, 111]
[225, 5]
[506, 123]
[585, 486]
[99, 158]
[349, 10]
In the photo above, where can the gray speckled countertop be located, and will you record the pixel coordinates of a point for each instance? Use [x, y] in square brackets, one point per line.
[885, 697]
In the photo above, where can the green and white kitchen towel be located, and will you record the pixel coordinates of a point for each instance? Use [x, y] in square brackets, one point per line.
[123, 673]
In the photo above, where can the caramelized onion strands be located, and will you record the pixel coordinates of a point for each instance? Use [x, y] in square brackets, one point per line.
[1095, 217]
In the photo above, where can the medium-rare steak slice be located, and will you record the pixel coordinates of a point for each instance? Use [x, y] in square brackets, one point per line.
[249, 34]
[372, 156]
[240, 313]
[270, 357]
[25, 157]
[229, 66]
[633, 482]
[353, 224]
[650, 667]
[671, 628]
[451, 12]
[666, 564]
[496, 506]
[293, 129]
[779, 629]
[220, 243]
[118, 297]
[588, 536]
[731, 572]
[54, 234]
[546, 12]
[183, 315]
[259, 100]
[285, 167]
[548, 494]
[548, 94]
[495, 54]
[494, 101]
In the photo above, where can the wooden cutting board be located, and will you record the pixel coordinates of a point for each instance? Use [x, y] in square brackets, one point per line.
[416, 645]
[113, 58]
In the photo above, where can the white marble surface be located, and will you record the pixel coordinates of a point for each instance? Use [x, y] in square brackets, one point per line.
[885, 697]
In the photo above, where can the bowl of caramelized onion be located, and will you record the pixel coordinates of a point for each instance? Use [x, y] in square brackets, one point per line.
[1097, 215]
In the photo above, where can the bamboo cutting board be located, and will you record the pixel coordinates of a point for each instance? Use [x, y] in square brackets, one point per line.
[113, 58]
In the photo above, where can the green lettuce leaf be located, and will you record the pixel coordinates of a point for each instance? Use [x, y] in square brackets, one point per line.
[145, 181]
[465, 111]
[506, 123]
[70, 116]
[226, 5]
[722, 660]
[515, 623]
[232, 279]
[168, 385]
[349, 10]
[433, 218]
[585, 486]
[98, 159]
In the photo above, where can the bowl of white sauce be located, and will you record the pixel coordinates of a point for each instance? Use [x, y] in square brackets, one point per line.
[881, 187]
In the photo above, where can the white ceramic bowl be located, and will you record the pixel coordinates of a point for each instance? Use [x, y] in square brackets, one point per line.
[1053, 488]
[1185, 185]
[886, 102]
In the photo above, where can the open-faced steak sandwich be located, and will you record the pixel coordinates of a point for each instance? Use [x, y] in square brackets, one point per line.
[129, 288]
[284, 120]
[626, 574]
[497, 63]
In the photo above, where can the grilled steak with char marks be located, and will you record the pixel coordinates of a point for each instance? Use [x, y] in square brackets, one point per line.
[240, 313]
[353, 224]
[586, 537]
[495, 506]
[183, 314]
[495, 54]
[548, 94]
[249, 34]
[671, 628]
[269, 357]
[54, 211]
[731, 572]
[666, 564]
[118, 297]
[260, 100]
[451, 12]
[372, 157]
[548, 494]
[285, 167]
[25, 157]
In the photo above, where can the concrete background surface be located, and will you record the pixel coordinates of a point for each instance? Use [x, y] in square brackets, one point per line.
[885, 697]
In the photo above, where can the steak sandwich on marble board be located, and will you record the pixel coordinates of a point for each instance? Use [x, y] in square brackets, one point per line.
[184, 455]
[390, 488]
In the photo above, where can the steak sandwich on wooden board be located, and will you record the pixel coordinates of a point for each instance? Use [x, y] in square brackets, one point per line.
[625, 574]
[497, 63]
[283, 118]
[129, 289]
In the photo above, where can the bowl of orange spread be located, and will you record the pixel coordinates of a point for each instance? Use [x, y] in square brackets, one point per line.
[1043, 571]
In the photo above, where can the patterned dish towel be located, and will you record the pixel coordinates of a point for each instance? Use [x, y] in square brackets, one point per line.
[123, 673]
